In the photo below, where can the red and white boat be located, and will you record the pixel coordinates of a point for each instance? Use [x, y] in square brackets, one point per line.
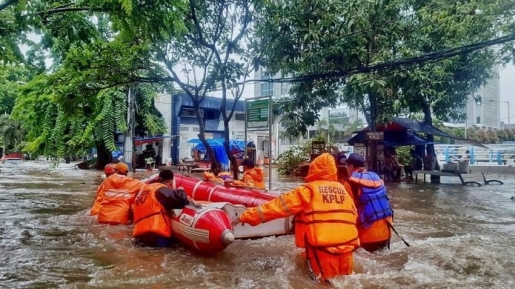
[205, 229]
[233, 201]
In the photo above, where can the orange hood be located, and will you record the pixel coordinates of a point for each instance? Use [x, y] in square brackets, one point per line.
[323, 168]
[256, 173]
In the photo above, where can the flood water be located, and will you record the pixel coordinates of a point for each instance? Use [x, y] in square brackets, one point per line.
[461, 237]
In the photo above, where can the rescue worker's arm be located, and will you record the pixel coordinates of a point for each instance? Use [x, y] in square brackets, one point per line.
[287, 204]
[134, 185]
[171, 199]
[352, 191]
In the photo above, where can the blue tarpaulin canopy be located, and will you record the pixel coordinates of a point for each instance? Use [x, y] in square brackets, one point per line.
[236, 146]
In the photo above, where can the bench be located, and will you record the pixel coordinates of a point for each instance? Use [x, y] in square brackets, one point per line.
[470, 179]
[478, 179]
[433, 173]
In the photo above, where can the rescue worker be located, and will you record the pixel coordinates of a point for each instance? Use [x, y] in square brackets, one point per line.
[116, 180]
[109, 169]
[325, 220]
[152, 224]
[375, 214]
[218, 176]
[253, 176]
[122, 168]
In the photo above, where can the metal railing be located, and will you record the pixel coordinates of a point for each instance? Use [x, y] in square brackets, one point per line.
[497, 154]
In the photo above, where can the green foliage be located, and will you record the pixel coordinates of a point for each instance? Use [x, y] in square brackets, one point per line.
[57, 129]
[12, 78]
[11, 134]
[326, 38]
[288, 161]
[404, 155]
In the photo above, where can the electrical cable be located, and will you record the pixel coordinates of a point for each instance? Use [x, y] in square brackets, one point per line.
[424, 58]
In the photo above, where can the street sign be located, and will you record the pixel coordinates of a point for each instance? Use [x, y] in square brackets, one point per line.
[375, 135]
[257, 114]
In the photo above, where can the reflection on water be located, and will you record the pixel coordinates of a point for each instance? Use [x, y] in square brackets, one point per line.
[460, 237]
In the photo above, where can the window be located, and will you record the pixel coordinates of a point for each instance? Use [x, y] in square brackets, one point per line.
[284, 88]
[239, 116]
[267, 88]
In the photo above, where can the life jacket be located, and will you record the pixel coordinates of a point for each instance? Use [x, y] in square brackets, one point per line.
[115, 182]
[373, 203]
[329, 221]
[116, 206]
[149, 215]
[254, 177]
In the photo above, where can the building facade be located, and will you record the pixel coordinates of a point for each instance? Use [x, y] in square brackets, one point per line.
[484, 107]
[182, 126]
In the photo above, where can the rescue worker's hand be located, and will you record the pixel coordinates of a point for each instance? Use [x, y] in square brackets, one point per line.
[193, 203]
[235, 222]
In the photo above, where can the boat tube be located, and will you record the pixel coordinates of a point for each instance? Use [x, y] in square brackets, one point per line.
[205, 229]
[200, 190]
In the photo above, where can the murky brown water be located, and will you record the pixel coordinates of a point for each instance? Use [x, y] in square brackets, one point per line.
[461, 237]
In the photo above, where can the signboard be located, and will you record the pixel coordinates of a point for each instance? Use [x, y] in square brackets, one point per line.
[360, 149]
[375, 135]
[256, 112]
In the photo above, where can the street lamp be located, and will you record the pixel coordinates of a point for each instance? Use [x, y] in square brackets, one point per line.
[507, 102]
[477, 100]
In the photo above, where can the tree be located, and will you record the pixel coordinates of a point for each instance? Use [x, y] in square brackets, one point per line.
[213, 55]
[100, 49]
[58, 126]
[11, 134]
[435, 87]
[12, 78]
[331, 39]
[492, 136]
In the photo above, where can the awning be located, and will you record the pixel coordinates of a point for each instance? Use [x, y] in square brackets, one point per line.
[392, 138]
[398, 124]
[141, 141]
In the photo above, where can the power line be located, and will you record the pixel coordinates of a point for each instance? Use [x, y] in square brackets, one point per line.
[424, 58]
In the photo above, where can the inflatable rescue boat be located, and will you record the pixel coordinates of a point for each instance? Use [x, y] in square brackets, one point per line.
[232, 201]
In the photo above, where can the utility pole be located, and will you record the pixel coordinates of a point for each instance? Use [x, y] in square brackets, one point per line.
[508, 106]
[128, 144]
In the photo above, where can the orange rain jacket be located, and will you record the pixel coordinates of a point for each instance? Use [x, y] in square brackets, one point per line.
[379, 231]
[325, 213]
[254, 177]
[115, 183]
[149, 214]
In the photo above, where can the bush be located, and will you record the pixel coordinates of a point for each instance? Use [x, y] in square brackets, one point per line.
[289, 160]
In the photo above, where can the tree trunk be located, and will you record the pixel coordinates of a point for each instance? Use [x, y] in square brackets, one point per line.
[430, 148]
[373, 119]
[103, 156]
[232, 159]
[202, 137]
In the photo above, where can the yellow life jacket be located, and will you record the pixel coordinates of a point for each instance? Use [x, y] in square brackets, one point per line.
[330, 219]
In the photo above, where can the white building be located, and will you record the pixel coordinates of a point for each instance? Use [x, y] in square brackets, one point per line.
[484, 107]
